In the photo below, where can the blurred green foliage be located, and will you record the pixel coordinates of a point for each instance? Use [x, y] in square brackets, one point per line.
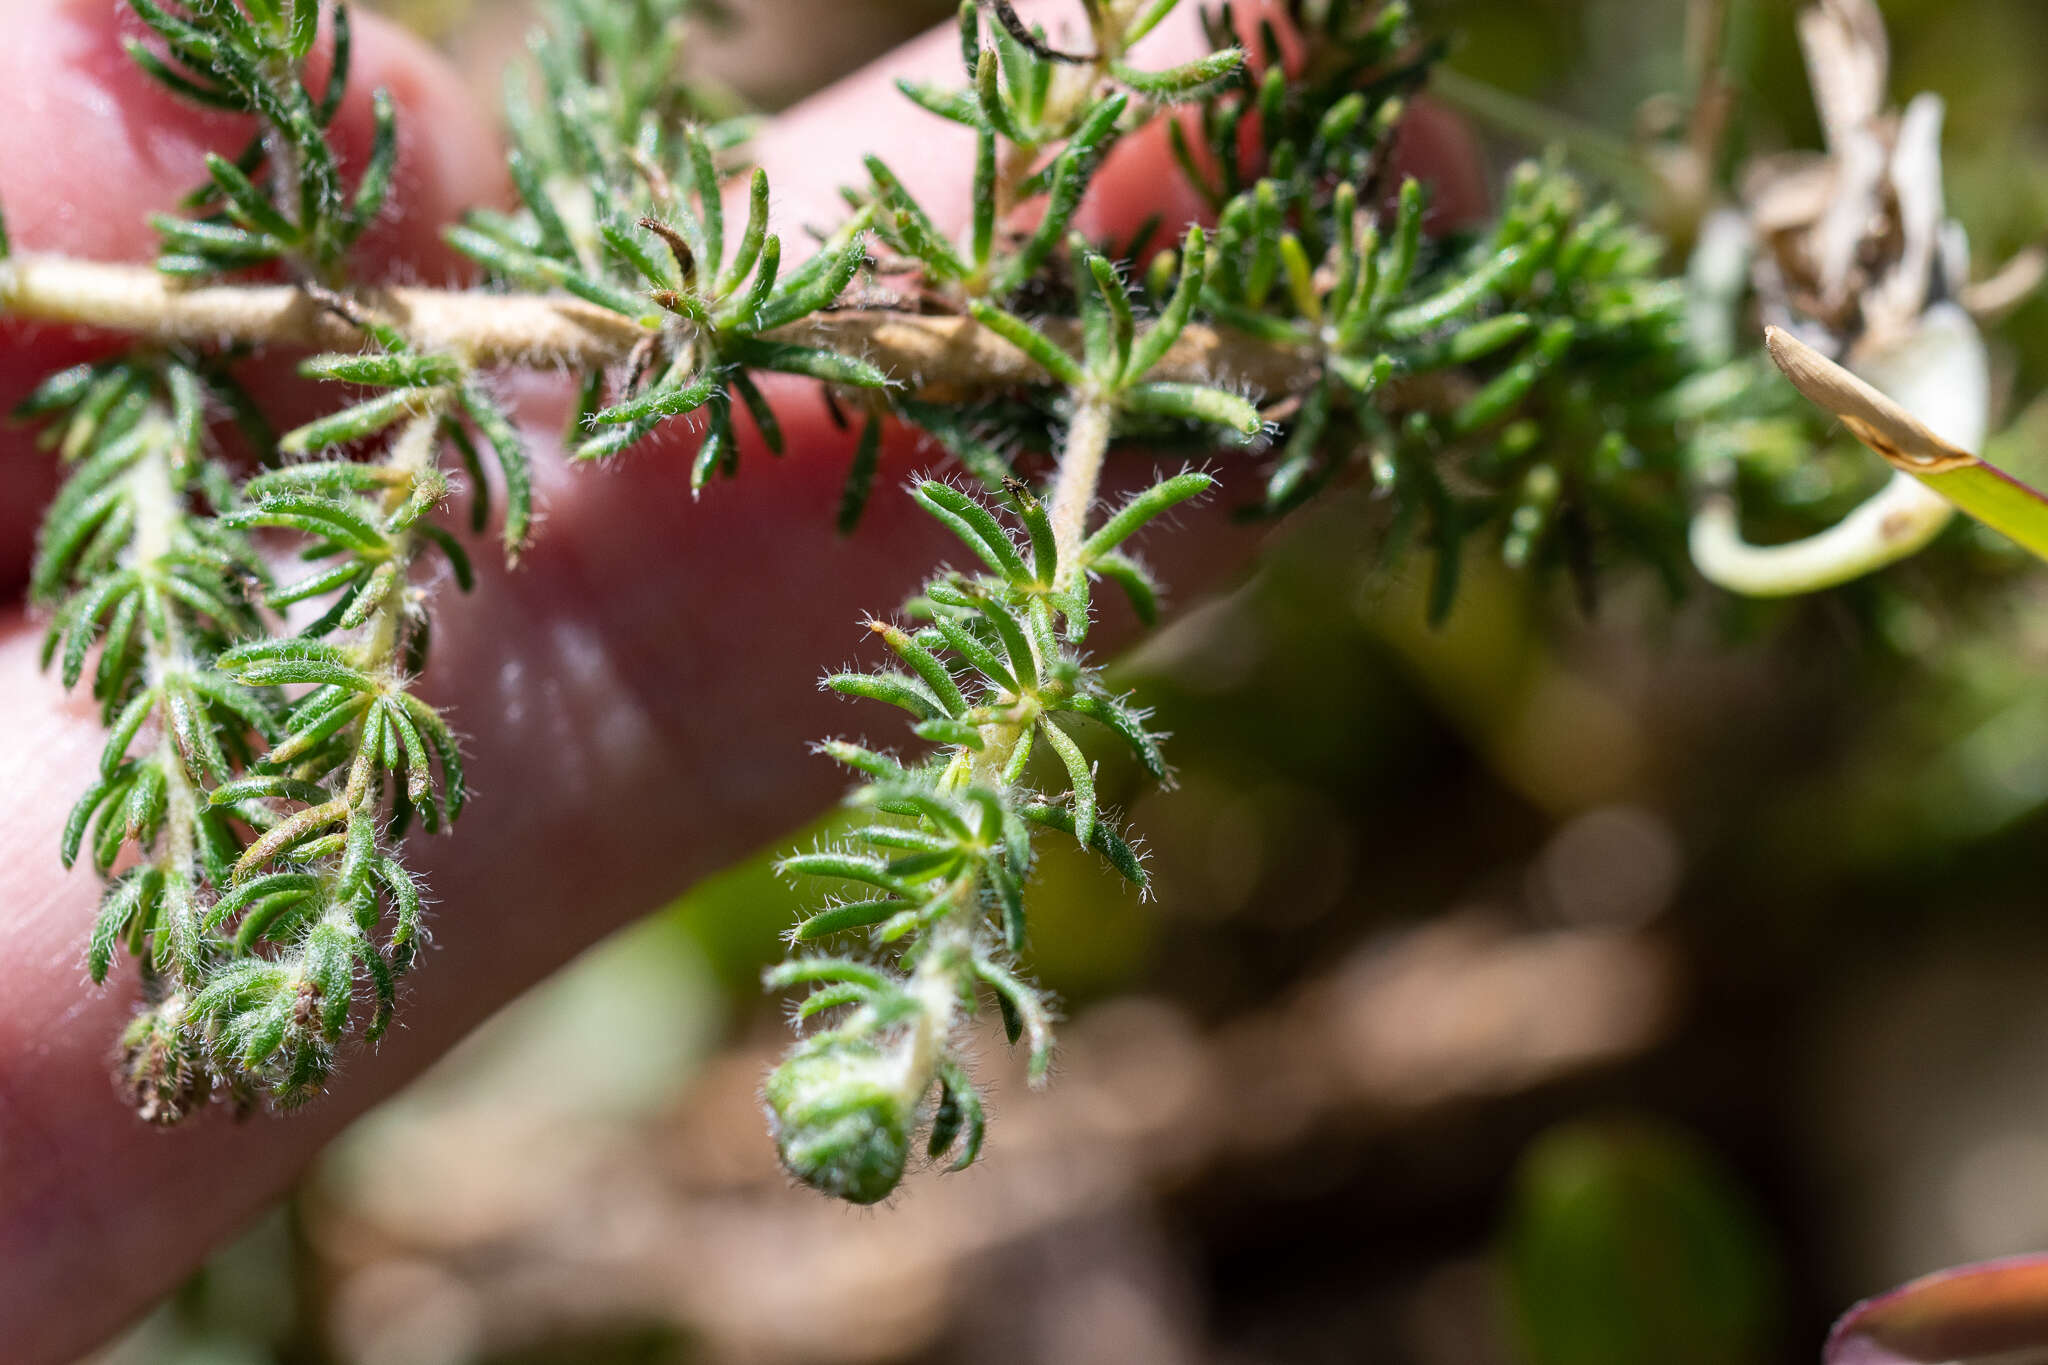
[1628, 1243]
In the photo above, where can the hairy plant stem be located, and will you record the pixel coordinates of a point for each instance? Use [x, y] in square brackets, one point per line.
[944, 971]
[283, 155]
[1071, 87]
[412, 455]
[1082, 452]
[940, 358]
[379, 651]
[381, 648]
[942, 976]
[158, 511]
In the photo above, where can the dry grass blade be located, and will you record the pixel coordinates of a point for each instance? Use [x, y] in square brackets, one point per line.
[1877, 421]
[1984, 491]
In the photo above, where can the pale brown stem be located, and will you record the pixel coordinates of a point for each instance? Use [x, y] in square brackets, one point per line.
[1074, 487]
[937, 358]
[489, 329]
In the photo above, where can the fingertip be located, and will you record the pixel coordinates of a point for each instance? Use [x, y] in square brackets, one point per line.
[93, 145]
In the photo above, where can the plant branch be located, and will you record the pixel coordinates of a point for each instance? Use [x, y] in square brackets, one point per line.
[412, 455]
[1074, 487]
[491, 329]
[939, 358]
[159, 502]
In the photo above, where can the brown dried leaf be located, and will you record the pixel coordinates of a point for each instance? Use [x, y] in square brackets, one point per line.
[1883, 425]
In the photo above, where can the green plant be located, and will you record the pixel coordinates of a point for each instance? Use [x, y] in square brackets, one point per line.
[1531, 386]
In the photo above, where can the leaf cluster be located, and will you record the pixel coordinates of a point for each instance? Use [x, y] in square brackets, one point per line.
[620, 188]
[1526, 382]
[283, 198]
[265, 752]
[262, 874]
[989, 669]
[1532, 366]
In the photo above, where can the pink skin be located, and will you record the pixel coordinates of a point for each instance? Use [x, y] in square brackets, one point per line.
[630, 727]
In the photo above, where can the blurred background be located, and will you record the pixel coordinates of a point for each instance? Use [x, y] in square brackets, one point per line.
[1542, 989]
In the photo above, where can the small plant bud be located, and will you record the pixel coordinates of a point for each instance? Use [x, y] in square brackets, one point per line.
[162, 1076]
[839, 1121]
